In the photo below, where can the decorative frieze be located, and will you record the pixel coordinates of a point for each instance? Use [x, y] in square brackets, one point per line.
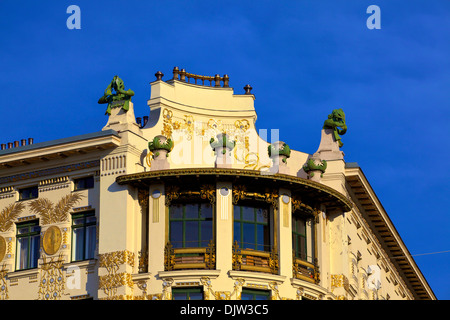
[49, 172]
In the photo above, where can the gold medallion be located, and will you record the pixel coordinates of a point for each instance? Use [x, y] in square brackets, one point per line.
[2, 248]
[52, 240]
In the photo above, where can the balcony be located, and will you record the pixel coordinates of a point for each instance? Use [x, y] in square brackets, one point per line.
[255, 260]
[304, 270]
[189, 258]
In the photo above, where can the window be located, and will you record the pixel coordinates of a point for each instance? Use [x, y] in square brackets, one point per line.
[190, 225]
[28, 193]
[83, 183]
[303, 237]
[252, 228]
[187, 294]
[84, 236]
[252, 294]
[299, 237]
[28, 245]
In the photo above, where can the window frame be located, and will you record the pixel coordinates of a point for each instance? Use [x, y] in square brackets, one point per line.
[302, 255]
[256, 292]
[267, 246]
[200, 243]
[188, 291]
[309, 236]
[84, 225]
[30, 235]
[21, 190]
[76, 180]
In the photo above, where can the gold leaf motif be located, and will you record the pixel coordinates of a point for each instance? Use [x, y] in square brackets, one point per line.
[50, 213]
[9, 214]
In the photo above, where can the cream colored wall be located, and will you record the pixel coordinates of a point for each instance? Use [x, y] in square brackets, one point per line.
[120, 213]
[28, 284]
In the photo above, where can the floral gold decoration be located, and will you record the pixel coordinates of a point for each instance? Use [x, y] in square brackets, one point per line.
[52, 283]
[3, 284]
[208, 191]
[172, 192]
[113, 280]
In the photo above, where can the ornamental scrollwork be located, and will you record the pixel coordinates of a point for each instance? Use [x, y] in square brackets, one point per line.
[208, 191]
[239, 192]
[111, 262]
[172, 192]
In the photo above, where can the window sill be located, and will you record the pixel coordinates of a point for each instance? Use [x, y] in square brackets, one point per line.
[23, 273]
[212, 274]
[81, 264]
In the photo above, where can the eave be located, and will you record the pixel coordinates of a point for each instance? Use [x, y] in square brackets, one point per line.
[373, 211]
[307, 189]
[58, 149]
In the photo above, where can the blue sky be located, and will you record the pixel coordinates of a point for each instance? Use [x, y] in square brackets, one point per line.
[302, 58]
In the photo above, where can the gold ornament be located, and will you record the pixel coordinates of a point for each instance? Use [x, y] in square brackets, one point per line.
[51, 242]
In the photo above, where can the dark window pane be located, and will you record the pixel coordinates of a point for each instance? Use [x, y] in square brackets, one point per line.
[237, 213]
[179, 296]
[191, 234]
[248, 235]
[195, 296]
[248, 214]
[262, 215]
[176, 234]
[206, 232]
[237, 232]
[191, 211]
[206, 211]
[176, 211]
[28, 193]
[84, 183]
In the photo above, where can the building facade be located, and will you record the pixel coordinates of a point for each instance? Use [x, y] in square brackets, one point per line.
[191, 202]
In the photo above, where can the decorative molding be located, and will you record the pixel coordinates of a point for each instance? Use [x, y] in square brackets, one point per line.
[50, 171]
[113, 280]
[336, 196]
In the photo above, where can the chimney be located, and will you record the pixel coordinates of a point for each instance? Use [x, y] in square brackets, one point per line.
[3, 147]
[145, 120]
[30, 140]
[10, 145]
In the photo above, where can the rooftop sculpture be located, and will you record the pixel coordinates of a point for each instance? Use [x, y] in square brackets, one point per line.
[120, 95]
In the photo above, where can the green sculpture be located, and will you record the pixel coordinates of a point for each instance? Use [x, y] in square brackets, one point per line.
[315, 164]
[281, 149]
[157, 144]
[336, 121]
[223, 142]
[120, 95]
